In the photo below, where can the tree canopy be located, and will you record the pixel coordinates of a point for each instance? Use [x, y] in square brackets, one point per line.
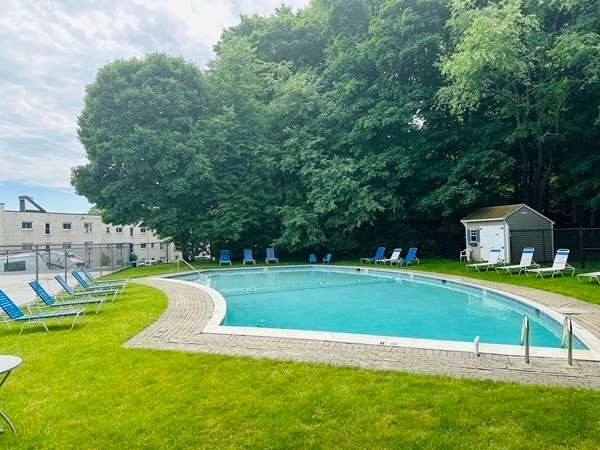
[350, 124]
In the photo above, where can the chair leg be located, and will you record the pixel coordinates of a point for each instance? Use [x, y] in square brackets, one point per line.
[10, 425]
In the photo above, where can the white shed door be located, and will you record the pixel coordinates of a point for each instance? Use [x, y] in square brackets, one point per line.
[491, 237]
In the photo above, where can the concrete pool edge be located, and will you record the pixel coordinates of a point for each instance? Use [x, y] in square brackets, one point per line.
[591, 341]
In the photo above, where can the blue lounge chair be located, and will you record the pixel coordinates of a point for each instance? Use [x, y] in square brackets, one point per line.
[271, 256]
[312, 259]
[48, 300]
[120, 283]
[327, 258]
[411, 257]
[93, 290]
[14, 314]
[248, 258]
[394, 259]
[72, 293]
[378, 255]
[224, 258]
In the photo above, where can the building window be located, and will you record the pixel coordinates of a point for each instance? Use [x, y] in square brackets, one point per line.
[66, 245]
[27, 246]
[161, 245]
[473, 236]
[107, 230]
[142, 245]
[131, 231]
[87, 227]
[142, 230]
[47, 229]
[47, 247]
[67, 226]
[119, 246]
[26, 225]
[119, 229]
[152, 245]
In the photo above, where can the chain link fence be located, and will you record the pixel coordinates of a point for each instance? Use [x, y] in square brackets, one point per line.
[61, 259]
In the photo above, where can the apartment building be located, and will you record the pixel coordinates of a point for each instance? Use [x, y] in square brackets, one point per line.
[32, 227]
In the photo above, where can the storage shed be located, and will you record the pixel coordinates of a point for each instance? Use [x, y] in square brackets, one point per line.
[510, 228]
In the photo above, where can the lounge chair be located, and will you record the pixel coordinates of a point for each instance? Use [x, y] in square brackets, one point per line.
[411, 257]
[591, 276]
[14, 314]
[102, 290]
[327, 258]
[72, 293]
[48, 300]
[526, 262]
[378, 255]
[271, 256]
[491, 262]
[558, 266]
[248, 258]
[312, 259]
[395, 258]
[224, 258]
[121, 282]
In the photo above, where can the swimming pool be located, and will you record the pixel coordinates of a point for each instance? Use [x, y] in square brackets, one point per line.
[340, 302]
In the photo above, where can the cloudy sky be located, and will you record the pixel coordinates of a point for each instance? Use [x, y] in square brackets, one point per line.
[49, 51]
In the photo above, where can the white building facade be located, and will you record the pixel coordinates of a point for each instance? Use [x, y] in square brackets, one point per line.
[84, 235]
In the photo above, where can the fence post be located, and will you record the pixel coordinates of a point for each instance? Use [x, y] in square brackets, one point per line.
[37, 268]
[582, 256]
[66, 267]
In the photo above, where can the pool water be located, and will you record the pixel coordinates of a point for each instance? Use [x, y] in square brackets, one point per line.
[348, 301]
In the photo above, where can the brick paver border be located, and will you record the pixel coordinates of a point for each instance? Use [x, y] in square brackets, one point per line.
[181, 327]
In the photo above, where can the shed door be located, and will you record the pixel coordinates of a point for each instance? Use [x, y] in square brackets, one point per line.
[491, 237]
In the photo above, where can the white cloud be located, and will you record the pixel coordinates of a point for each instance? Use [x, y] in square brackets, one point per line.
[49, 51]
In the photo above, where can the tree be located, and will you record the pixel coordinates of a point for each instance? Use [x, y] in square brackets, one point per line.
[137, 129]
[524, 62]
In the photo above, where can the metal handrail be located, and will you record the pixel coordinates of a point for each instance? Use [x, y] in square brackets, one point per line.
[192, 267]
[525, 337]
[567, 335]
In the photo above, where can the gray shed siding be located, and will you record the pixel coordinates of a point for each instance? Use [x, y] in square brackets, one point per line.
[528, 229]
[524, 219]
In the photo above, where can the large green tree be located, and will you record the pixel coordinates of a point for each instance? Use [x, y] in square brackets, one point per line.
[526, 62]
[137, 128]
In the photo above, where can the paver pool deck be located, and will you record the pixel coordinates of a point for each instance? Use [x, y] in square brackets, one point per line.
[189, 309]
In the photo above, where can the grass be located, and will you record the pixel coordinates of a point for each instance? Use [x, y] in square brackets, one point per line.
[83, 389]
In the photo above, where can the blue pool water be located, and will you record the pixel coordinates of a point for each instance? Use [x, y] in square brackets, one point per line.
[348, 301]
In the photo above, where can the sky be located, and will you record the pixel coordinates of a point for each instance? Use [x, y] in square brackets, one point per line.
[51, 49]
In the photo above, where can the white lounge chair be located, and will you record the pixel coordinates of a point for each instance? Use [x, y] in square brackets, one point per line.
[491, 262]
[527, 262]
[558, 266]
[395, 258]
[591, 276]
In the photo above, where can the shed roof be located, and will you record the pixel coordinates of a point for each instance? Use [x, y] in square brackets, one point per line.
[498, 212]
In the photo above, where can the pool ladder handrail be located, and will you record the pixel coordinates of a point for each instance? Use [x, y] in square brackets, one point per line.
[567, 335]
[525, 336]
[192, 267]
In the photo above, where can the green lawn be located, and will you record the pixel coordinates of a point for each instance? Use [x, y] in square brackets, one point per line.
[83, 389]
